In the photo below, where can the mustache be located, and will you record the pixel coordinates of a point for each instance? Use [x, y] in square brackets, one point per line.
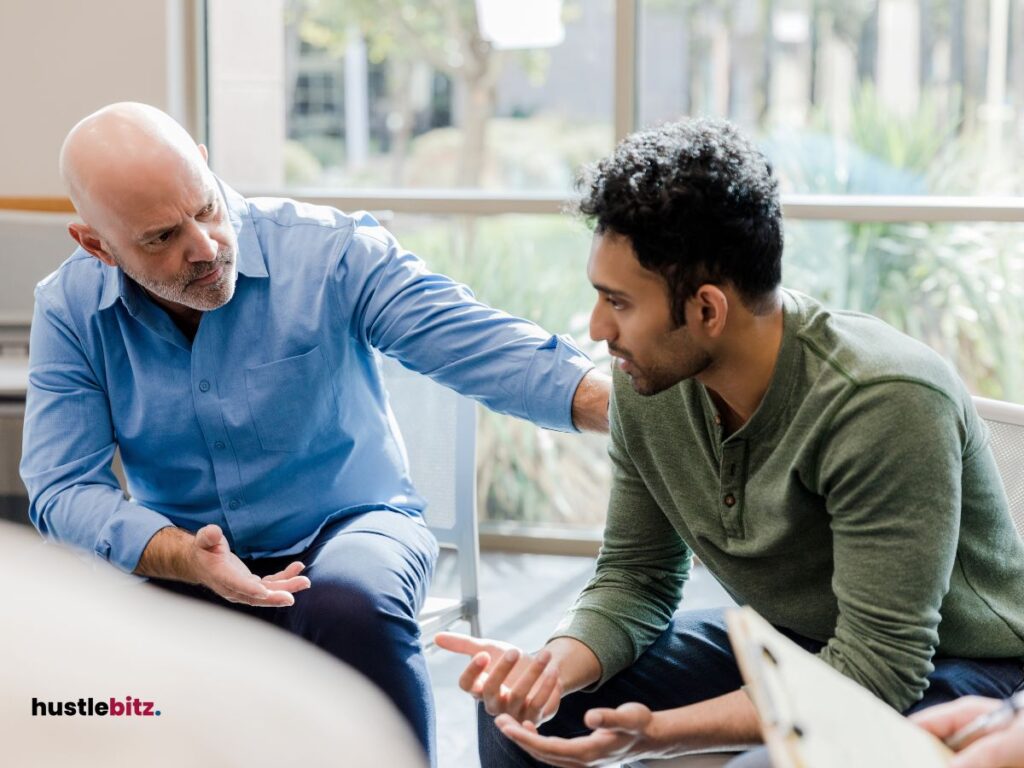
[224, 259]
[616, 352]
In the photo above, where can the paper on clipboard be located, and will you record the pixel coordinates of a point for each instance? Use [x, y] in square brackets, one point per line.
[812, 716]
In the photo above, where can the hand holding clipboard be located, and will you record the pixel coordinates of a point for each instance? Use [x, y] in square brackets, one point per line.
[998, 727]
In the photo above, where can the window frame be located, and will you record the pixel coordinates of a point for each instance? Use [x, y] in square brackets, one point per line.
[465, 202]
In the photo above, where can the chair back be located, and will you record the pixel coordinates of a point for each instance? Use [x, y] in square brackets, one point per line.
[1005, 422]
[438, 427]
[32, 245]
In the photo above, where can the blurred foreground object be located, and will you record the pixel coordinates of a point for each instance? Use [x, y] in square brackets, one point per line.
[229, 690]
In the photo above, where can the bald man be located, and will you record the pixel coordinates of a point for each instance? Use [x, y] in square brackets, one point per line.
[227, 347]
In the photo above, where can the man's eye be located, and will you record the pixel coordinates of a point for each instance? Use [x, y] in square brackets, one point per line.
[207, 211]
[163, 237]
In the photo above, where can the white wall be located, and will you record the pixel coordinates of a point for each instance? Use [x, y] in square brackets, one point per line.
[62, 59]
[247, 94]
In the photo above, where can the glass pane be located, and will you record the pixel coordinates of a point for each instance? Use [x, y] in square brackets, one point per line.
[848, 96]
[459, 93]
[957, 287]
[533, 267]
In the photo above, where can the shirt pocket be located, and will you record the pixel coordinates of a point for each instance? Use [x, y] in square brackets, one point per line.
[291, 400]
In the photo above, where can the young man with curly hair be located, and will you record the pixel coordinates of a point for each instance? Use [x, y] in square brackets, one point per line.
[828, 470]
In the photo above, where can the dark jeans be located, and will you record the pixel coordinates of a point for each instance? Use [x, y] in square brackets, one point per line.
[693, 661]
[369, 576]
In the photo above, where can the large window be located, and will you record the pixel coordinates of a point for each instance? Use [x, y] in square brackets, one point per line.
[881, 97]
[445, 94]
[894, 126]
[533, 267]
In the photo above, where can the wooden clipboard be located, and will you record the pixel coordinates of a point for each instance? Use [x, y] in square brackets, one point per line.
[814, 717]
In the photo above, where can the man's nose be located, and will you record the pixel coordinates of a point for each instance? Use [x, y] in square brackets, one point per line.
[204, 247]
[601, 329]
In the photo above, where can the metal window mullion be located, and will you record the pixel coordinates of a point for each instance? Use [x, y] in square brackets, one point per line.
[864, 208]
[795, 207]
[625, 68]
[198, 94]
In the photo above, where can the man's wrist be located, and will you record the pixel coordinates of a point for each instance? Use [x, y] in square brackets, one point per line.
[727, 720]
[660, 736]
[590, 402]
[577, 665]
[169, 555]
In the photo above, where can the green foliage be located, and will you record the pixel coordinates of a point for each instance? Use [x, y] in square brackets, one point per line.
[538, 152]
[393, 29]
[532, 267]
[956, 286]
[914, 141]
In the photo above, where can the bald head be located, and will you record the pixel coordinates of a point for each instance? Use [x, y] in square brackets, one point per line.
[151, 207]
[123, 149]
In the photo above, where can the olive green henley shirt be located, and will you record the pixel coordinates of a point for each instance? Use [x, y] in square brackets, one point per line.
[859, 506]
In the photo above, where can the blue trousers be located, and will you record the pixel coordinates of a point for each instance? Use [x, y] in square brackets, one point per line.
[369, 576]
[693, 661]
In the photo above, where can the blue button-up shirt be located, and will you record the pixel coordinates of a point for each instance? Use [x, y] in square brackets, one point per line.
[273, 420]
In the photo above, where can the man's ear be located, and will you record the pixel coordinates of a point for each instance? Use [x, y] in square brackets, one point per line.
[204, 152]
[83, 235]
[711, 306]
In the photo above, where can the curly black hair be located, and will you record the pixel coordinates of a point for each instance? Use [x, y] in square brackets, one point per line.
[699, 204]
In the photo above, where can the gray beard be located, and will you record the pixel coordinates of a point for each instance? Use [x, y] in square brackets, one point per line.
[200, 297]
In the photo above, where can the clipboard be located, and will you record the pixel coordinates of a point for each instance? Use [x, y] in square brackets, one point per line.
[814, 717]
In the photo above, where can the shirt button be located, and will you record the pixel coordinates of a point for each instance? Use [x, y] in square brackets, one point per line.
[234, 504]
[718, 419]
[729, 500]
[204, 386]
[219, 445]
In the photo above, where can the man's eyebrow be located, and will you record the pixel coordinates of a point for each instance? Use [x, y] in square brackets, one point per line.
[610, 291]
[149, 234]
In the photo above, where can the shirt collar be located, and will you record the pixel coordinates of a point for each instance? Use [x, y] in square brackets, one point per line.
[251, 261]
[113, 286]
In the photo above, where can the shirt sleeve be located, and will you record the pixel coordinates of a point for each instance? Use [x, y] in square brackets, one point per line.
[435, 326]
[891, 475]
[640, 573]
[68, 449]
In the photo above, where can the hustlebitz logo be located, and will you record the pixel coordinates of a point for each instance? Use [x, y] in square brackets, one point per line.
[128, 707]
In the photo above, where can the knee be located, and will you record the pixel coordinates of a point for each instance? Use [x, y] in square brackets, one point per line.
[354, 610]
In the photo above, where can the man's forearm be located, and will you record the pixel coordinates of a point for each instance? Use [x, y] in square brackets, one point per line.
[725, 720]
[590, 403]
[168, 555]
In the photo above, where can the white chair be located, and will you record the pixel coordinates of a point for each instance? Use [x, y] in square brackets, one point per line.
[438, 427]
[1005, 422]
[32, 245]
